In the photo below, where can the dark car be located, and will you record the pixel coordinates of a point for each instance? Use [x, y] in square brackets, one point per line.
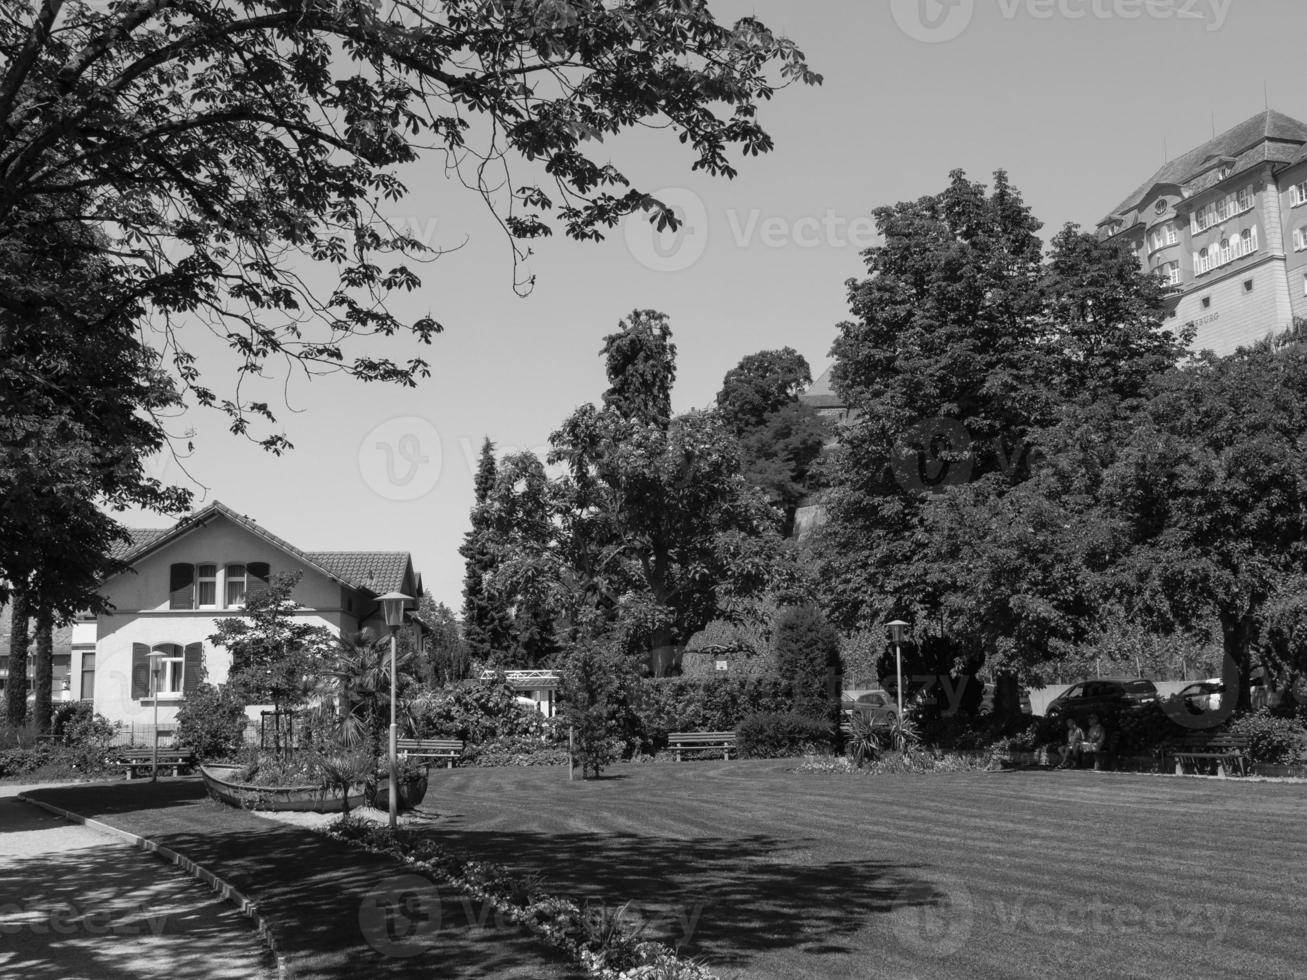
[1201, 696]
[878, 707]
[1101, 695]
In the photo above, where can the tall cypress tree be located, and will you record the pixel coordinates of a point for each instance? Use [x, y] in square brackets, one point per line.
[486, 624]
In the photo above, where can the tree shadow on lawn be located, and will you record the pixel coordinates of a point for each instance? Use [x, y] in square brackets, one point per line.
[724, 898]
[335, 910]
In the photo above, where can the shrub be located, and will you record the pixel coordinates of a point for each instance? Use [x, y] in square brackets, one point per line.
[517, 750]
[1273, 739]
[474, 711]
[807, 652]
[211, 722]
[712, 704]
[771, 735]
[596, 691]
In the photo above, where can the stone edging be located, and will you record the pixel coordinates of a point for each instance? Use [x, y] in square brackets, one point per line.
[244, 904]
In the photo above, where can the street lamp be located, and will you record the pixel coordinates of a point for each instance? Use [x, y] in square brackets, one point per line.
[156, 667]
[392, 608]
[896, 629]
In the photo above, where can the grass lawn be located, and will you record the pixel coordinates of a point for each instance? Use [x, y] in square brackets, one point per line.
[762, 872]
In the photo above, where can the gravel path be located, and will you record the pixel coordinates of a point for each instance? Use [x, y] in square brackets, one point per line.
[77, 903]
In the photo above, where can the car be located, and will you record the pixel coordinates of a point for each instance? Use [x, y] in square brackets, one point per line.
[1101, 694]
[987, 701]
[879, 707]
[1201, 696]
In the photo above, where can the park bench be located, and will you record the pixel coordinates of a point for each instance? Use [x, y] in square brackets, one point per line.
[1225, 750]
[142, 760]
[683, 742]
[449, 749]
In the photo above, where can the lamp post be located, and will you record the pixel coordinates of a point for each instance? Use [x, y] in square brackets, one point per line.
[392, 608]
[156, 665]
[896, 629]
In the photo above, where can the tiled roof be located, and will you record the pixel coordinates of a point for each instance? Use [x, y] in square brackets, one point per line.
[1269, 136]
[377, 571]
[141, 537]
[62, 637]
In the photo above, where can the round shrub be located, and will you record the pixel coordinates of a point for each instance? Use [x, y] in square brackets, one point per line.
[1272, 739]
[773, 735]
[211, 722]
[807, 650]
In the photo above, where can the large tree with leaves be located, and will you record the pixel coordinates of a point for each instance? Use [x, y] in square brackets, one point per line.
[971, 362]
[659, 530]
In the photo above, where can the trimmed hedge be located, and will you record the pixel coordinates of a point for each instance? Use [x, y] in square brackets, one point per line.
[775, 735]
[702, 704]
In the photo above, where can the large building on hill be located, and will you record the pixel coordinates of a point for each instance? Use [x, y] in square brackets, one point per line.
[1226, 223]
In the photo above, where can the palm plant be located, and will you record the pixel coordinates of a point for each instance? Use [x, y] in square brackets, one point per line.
[354, 688]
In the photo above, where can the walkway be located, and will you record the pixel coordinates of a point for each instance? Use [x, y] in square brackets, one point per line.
[334, 911]
[77, 903]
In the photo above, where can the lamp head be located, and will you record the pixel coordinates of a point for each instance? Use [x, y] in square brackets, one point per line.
[896, 630]
[392, 608]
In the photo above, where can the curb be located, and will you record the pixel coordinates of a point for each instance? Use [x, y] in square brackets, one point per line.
[243, 903]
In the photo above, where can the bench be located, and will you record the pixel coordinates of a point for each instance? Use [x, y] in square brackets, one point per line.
[1219, 748]
[682, 742]
[449, 749]
[142, 760]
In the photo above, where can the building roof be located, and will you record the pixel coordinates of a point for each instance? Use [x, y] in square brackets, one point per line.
[820, 394]
[1269, 136]
[375, 571]
[62, 636]
[372, 571]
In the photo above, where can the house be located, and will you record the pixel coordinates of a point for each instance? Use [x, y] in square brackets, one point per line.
[182, 579]
[60, 660]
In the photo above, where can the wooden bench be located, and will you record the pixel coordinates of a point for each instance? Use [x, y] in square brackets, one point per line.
[682, 742]
[449, 749]
[142, 760]
[1221, 748]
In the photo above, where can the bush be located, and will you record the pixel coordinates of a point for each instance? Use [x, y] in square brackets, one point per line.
[597, 689]
[772, 735]
[1274, 740]
[517, 750]
[807, 651]
[713, 704]
[211, 722]
[475, 711]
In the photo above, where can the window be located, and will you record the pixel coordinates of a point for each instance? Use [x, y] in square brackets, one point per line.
[179, 670]
[1226, 252]
[181, 586]
[206, 587]
[1247, 285]
[235, 585]
[1162, 236]
[1160, 206]
[88, 676]
[1170, 272]
[1300, 238]
[1245, 198]
[1298, 194]
[168, 680]
[1207, 302]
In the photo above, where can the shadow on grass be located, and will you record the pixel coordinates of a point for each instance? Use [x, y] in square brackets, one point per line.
[336, 911]
[721, 898]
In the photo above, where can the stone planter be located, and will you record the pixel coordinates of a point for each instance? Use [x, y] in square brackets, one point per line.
[412, 791]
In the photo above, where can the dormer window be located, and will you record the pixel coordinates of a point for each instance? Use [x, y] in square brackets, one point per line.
[1160, 207]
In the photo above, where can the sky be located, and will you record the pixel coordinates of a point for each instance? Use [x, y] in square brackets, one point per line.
[1078, 100]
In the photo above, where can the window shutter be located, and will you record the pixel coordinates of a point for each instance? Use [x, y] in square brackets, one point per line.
[140, 671]
[257, 577]
[181, 586]
[192, 668]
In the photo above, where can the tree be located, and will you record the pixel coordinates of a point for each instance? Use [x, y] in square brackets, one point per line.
[657, 528]
[447, 660]
[596, 684]
[988, 386]
[224, 146]
[1211, 494]
[781, 439]
[16, 683]
[275, 658]
[43, 675]
[807, 654]
[486, 620]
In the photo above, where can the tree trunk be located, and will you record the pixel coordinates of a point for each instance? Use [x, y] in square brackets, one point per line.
[16, 683]
[44, 679]
[1007, 694]
[1236, 638]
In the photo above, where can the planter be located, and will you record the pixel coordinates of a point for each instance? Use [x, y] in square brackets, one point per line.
[412, 791]
[220, 783]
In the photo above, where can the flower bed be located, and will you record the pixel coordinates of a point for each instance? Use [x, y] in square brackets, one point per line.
[910, 763]
[597, 938]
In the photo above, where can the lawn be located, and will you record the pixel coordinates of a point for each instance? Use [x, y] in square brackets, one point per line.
[762, 872]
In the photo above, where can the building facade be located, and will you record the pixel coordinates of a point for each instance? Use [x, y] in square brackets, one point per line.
[183, 579]
[1226, 224]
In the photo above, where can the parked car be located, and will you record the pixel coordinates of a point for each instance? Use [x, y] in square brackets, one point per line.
[1201, 696]
[987, 700]
[1103, 694]
[879, 707]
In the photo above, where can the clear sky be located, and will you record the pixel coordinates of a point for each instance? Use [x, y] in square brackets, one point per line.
[1076, 99]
